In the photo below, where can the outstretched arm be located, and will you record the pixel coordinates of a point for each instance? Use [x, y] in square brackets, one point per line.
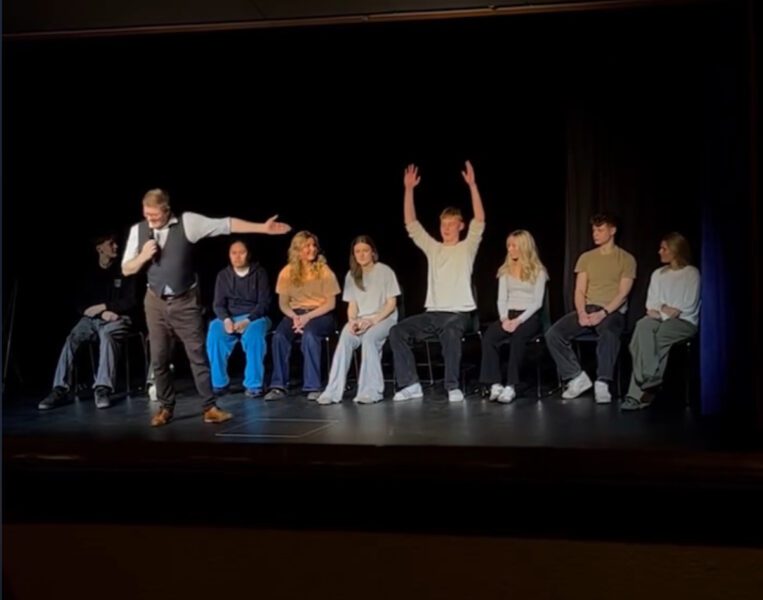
[477, 208]
[410, 180]
[270, 227]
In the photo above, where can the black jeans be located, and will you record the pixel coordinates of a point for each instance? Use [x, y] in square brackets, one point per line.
[561, 334]
[448, 327]
[495, 337]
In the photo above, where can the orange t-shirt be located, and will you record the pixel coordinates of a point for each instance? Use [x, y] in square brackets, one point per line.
[313, 292]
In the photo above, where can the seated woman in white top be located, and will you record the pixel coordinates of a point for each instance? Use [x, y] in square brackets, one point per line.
[672, 315]
[371, 290]
[521, 286]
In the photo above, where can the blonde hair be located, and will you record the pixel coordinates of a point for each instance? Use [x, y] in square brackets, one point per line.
[679, 246]
[298, 273]
[451, 212]
[530, 265]
[157, 198]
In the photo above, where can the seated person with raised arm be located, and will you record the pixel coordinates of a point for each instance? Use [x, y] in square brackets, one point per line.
[449, 301]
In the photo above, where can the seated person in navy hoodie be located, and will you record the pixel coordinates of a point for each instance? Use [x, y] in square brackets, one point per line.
[242, 300]
[105, 304]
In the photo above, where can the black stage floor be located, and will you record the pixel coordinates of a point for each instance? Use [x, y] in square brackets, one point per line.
[551, 422]
[551, 467]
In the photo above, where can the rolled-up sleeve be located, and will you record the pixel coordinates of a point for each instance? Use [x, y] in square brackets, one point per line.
[198, 226]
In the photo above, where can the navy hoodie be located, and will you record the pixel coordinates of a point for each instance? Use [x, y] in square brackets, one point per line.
[235, 295]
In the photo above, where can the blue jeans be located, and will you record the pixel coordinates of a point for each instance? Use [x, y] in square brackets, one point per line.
[311, 343]
[220, 345]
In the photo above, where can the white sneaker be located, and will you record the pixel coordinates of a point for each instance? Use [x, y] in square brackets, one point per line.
[495, 391]
[410, 392]
[365, 400]
[507, 395]
[455, 395]
[152, 393]
[327, 399]
[577, 386]
[601, 392]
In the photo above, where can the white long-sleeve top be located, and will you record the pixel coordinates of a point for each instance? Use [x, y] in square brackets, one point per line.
[515, 294]
[678, 288]
[449, 268]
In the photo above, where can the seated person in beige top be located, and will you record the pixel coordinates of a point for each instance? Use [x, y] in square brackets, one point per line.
[604, 278]
[307, 291]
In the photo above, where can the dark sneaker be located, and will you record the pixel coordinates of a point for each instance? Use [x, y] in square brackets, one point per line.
[57, 396]
[631, 403]
[275, 394]
[102, 399]
[223, 391]
[256, 393]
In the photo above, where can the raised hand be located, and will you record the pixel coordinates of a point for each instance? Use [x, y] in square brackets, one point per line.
[411, 177]
[273, 227]
[468, 174]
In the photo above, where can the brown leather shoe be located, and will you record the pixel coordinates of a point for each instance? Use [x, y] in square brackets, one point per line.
[163, 417]
[216, 415]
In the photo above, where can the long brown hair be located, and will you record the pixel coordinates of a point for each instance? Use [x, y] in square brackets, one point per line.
[679, 246]
[355, 269]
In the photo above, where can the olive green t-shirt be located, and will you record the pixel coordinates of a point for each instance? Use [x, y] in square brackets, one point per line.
[604, 273]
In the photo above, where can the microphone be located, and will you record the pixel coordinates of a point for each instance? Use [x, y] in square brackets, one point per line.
[152, 236]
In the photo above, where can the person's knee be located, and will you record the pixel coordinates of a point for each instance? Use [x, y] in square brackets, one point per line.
[216, 328]
[279, 337]
[554, 334]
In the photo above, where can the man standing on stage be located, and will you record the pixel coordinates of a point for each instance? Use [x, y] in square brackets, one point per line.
[164, 242]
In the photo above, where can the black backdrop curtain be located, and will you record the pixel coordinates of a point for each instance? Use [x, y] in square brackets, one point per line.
[660, 140]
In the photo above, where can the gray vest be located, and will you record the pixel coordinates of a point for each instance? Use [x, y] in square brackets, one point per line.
[173, 264]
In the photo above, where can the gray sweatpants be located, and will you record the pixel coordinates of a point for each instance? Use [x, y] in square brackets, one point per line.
[650, 347]
[371, 379]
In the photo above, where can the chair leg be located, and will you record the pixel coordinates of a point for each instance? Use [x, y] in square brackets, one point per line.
[429, 363]
[126, 350]
[687, 383]
[538, 393]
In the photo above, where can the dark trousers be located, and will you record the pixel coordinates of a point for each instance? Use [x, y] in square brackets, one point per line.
[312, 338]
[495, 337]
[177, 316]
[559, 340]
[447, 327]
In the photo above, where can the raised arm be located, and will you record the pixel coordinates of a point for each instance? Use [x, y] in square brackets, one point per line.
[270, 227]
[410, 180]
[477, 208]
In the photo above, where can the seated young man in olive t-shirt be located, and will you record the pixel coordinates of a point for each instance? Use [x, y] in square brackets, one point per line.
[604, 278]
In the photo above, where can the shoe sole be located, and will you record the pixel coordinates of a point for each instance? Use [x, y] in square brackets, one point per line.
[583, 391]
[217, 421]
[408, 398]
